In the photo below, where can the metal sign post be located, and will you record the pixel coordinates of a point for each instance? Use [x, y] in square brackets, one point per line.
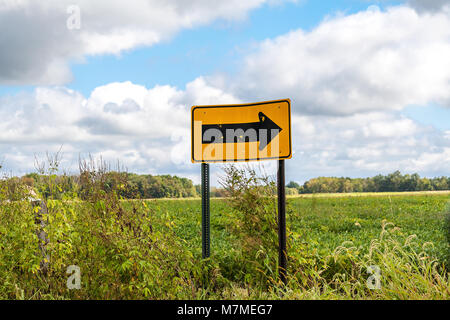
[282, 251]
[205, 212]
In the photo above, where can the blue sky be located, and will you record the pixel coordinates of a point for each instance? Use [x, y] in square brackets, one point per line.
[213, 57]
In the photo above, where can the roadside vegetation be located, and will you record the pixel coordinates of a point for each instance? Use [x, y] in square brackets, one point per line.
[339, 248]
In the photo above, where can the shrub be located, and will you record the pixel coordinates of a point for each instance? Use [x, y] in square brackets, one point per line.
[447, 233]
[254, 216]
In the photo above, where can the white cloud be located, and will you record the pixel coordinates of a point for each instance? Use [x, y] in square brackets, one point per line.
[146, 129]
[155, 137]
[366, 144]
[128, 106]
[429, 5]
[37, 45]
[364, 62]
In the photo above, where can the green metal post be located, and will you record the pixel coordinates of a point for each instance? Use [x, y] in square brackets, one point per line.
[282, 256]
[206, 224]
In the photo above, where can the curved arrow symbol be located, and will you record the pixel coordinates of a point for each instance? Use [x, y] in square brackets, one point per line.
[263, 132]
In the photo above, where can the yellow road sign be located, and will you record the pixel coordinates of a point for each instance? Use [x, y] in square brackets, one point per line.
[245, 132]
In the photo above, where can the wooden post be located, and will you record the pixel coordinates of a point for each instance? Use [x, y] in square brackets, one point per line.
[41, 219]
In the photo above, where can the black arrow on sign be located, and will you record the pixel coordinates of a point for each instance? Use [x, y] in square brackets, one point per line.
[250, 132]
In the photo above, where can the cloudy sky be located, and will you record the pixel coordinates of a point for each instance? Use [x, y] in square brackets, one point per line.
[369, 81]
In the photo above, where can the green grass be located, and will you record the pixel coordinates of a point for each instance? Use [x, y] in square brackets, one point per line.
[370, 194]
[152, 250]
[323, 222]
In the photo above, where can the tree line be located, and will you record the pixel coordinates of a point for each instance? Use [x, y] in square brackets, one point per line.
[135, 186]
[126, 185]
[394, 182]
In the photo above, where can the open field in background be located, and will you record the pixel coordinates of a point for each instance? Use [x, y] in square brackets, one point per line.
[324, 222]
[151, 249]
[336, 195]
[371, 194]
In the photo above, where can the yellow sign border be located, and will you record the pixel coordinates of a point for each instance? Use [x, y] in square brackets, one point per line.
[289, 156]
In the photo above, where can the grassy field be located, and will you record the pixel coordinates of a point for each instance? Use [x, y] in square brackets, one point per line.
[371, 194]
[152, 250]
[324, 222]
[340, 195]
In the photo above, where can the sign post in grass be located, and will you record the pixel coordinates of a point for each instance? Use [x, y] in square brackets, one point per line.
[205, 212]
[242, 133]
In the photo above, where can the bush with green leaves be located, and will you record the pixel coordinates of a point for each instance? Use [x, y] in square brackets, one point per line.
[254, 220]
[447, 234]
[255, 225]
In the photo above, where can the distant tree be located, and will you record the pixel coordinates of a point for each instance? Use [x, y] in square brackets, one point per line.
[293, 184]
